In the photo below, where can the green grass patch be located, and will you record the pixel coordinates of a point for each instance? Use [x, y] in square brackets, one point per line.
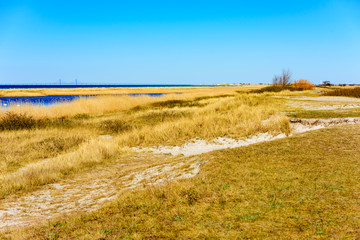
[323, 114]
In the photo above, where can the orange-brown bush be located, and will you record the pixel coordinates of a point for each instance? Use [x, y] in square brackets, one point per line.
[303, 84]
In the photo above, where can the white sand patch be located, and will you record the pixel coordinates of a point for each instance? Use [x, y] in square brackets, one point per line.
[304, 125]
[198, 146]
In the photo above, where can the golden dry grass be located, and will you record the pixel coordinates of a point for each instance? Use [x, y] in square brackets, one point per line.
[235, 117]
[303, 187]
[18, 148]
[106, 102]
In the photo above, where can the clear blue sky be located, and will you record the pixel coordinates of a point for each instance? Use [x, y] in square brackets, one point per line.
[178, 41]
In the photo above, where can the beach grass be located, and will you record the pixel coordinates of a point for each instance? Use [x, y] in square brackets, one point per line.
[142, 121]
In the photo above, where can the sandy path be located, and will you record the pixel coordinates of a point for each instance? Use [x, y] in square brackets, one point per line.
[88, 191]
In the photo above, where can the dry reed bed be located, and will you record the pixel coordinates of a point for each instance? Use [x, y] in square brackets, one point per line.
[104, 104]
[93, 106]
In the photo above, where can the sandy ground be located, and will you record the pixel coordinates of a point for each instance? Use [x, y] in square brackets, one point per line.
[308, 124]
[324, 103]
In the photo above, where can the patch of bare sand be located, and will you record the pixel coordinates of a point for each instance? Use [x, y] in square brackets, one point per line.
[307, 124]
[87, 192]
[199, 146]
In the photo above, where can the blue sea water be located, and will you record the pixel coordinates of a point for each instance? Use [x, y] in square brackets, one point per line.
[55, 99]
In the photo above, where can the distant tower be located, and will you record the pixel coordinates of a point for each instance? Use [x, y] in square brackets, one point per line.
[76, 81]
[59, 81]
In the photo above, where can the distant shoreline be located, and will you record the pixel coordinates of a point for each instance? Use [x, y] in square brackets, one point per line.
[45, 90]
[28, 86]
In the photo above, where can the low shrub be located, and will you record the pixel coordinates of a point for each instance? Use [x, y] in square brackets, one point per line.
[14, 121]
[114, 126]
[275, 88]
[61, 122]
[303, 84]
[81, 116]
[176, 103]
[19, 121]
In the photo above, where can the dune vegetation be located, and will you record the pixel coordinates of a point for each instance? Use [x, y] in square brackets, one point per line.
[251, 192]
[138, 121]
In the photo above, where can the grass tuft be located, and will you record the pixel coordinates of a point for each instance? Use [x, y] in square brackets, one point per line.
[114, 126]
[14, 121]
